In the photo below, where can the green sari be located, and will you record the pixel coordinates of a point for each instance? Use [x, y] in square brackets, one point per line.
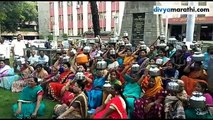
[28, 97]
[191, 114]
[132, 91]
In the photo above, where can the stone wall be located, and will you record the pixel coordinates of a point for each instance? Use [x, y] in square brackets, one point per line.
[152, 22]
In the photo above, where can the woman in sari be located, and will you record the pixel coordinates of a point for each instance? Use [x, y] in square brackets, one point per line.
[78, 106]
[162, 55]
[95, 95]
[66, 93]
[30, 102]
[196, 74]
[25, 71]
[196, 113]
[128, 57]
[132, 90]
[54, 88]
[39, 72]
[151, 104]
[7, 75]
[169, 73]
[114, 108]
[175, 103]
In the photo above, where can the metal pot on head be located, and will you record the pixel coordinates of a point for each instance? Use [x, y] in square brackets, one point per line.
[154, 70]
[173, 86]
[86, 49]
[101, 64]
[198, 56]
[112, 52]
[197, 100]
[135, 67]
[79, 75]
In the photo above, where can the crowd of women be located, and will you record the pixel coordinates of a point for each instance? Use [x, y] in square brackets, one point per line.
[131, 94]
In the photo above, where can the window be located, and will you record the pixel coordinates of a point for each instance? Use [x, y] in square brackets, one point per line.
[51, 4]
[80, 3]
[80, 16]
[183, 15]
[61, 31]
[70, 18]
[184, 3]
[102, 16]
[60, 18]
[69, 3]
[202, 3]
[89, 16]
[60, 4]
[201, 15]
[70, 31]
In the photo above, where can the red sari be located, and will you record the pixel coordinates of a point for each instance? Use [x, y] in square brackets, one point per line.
[119, 112]
[68, 96]
[55, 87]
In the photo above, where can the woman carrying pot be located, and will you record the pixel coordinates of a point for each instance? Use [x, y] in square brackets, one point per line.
[175, 100]
[150, 105]
[200, 103]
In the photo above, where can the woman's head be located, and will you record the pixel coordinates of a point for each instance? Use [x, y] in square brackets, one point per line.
[171, 47]
[184, 48]
[162, 52]
[170, 65]
[128, 52]
[143, 53]
[113, 75]
[152, 48]
[33, 82]
[39, 67]
[116, 89]
[66, 66]
[78, 86]
[201, 87]
[197, 66]
[152, 82]
[152, 61]
[2, 63]
[99, 73]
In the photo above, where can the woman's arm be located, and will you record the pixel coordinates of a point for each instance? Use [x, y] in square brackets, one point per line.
[69, 110]
[38, 102]
[121, 53]
[89, 80]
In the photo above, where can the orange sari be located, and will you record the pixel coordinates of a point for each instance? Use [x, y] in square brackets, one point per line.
[192, 79]
[149, 92]
[128, 60]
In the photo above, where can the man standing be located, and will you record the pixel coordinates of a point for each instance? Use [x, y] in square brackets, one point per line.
[18, 46]
[5, 51]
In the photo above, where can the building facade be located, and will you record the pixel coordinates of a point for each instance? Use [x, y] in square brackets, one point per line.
[203, 22]
[74, 17]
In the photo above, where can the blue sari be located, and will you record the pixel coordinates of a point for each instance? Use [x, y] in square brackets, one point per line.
[132, 91]
[30, 95]
[8, 79]
[95, 95]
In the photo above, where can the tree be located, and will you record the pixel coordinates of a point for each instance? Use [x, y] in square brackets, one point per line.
[15, 14]
[95, 18]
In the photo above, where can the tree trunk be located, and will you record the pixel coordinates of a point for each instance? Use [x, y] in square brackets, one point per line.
[95, 18]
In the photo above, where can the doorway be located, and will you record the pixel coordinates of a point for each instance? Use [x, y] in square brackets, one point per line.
[176, 31]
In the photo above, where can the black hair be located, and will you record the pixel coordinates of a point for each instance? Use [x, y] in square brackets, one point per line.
[36, 80]
[204, 87]
[171, 45]
[39, 65]
[119, 88]
[67, 63]
[199, 63]
[144, 51]
[163, 50]
[58, 53]
[80, 84]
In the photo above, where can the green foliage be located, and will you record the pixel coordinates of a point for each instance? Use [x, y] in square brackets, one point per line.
[50, 37]
[16, 13]
[65, 36]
